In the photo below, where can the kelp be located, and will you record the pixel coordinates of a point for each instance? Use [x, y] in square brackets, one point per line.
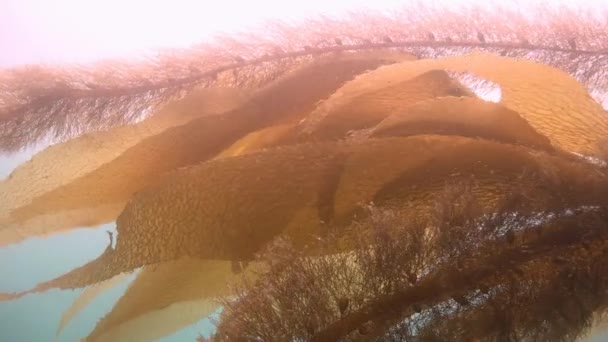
[553, 102]
[320, 141]
[64, 102]
[53, 222]
[464, 277]
[168, 296]
[464, 116]
[113, 189]
[62, 163]
[85, 298]
[266, 137]
[370, 108]
[229, 208]
[199, 139]
[364, 113]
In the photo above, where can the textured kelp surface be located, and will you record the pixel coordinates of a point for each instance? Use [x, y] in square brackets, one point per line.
[363, 189]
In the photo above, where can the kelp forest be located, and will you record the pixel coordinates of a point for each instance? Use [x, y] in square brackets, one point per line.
[418, 175]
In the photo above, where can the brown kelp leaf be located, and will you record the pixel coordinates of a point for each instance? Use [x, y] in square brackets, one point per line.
[466, 116]
[445, 264]
[154, 325]
[50, 223]
[229, 208]
[364, 112]
[88, 295]
[145, 163]
[411, 173]
[370, 108]
[50, 96]
[388, 55]
[187, 288]
[553, 102]
[55, 222]
[266, 137]
[62, 163]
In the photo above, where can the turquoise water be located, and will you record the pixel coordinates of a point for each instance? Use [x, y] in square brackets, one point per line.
[36, 317]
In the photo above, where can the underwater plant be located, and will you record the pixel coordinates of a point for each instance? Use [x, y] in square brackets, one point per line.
[346, 179]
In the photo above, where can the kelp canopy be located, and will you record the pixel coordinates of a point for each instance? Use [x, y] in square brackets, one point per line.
[350, 185]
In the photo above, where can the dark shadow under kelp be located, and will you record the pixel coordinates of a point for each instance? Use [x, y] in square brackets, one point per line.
[461, 274]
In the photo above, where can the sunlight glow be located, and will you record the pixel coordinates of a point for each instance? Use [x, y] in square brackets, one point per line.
[80, 31]
[68, 31]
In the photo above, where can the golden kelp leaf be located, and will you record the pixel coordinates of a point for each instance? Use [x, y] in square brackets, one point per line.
[364, 112]
[54, 222]
[553, 102]
[62, 163]
[187, 288]
[466, 116]
[6, 296]
[370, 108]
[229, 208]
[411, 173]
[160, 323]
[257, 140]
[145, 163]
[387, 55]
[88, 295]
